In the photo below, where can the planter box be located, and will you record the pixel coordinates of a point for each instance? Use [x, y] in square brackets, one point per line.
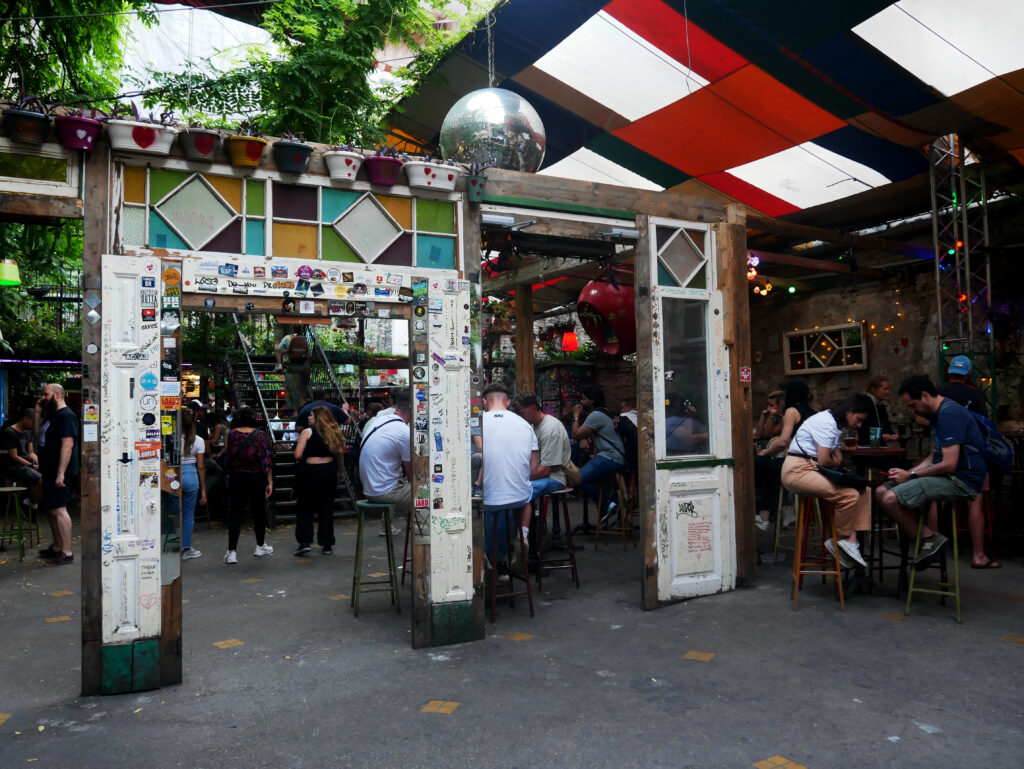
[131, 136]
[26, 127]
[475, 188]
[245, 151]
[199, 144]
[291, 157]
[77, 133]
[432, 176]
[343, 165]
[383, 171]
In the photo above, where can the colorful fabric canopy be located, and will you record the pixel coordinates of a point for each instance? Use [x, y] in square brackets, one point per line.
[784, 106]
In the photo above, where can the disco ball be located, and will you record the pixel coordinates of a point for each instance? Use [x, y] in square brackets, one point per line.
[494, 123]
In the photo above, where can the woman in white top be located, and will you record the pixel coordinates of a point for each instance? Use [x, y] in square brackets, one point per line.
[817, 442]
[193, 482]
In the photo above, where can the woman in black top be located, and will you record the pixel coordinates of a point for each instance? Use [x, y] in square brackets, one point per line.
[768, 461]
[317, 467]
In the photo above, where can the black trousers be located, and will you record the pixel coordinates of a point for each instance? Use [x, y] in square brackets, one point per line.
[247, 490]
[767, 472]
[317, 488]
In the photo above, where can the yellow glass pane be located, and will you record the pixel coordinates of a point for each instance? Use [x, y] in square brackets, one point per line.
[399, 208]
[134, 185]
[296, 240]
[230, 189]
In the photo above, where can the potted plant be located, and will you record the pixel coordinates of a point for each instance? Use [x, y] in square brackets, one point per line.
[343, 162]
[75, 131]
[431, 174]
[141, 134]
[26, 121]
[291, 153]
[501, 314]
[476, 181]
[199, 143]
[246, 147]
[383, 168]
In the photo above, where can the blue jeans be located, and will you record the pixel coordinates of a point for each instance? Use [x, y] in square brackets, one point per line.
[543, 486]
[507, 519]
[593, 471]
[189, 494]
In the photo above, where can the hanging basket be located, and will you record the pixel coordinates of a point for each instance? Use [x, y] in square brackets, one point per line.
[607, 313]
[291, 157]
[343, 165]
[132, 136]
[77, 133]
[475, 188]
[432, 176]
[199, 144]
[25, 126]
[383, 171]
[245, 151]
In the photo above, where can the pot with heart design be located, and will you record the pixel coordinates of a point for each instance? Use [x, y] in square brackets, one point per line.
[138, 136]
[199, 144]
[26, 121]
[475, 184]
[432, 176]
[77, 132]
[245, 151]
[291, 154]
[343, 164]
[383, 169]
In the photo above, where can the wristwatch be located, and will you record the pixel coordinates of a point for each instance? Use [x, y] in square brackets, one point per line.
[913, 474]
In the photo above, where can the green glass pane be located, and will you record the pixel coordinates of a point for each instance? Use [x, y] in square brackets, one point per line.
[435, 253]
[700, 280]
[334, 249]
[254, 239]
[162, 182]
[336, 202]
[31, 167]
[664, 279]
[162, 236]
[435, 216]
[254, 193]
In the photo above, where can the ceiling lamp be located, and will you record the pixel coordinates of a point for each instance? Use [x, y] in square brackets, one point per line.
[9, 274]
[569, 342]
[607, 314]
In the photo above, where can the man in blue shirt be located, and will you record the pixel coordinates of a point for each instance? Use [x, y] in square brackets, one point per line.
[956, 469]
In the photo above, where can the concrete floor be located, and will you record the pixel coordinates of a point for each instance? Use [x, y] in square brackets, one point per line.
[593, 682]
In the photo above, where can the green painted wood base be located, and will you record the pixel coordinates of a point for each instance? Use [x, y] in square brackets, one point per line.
[452, 623]
[132, 667]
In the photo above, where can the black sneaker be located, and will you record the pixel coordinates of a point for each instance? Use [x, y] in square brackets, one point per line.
[326, 550]
[49, 552]
[302, 549]
[61, 559]
[930, 548]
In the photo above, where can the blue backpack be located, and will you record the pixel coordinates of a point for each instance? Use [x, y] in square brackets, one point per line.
[997, 452]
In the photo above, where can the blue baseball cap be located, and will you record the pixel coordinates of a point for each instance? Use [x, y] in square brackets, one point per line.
[961, 365]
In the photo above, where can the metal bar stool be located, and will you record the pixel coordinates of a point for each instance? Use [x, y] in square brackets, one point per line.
[503, 517]
[942, 585]
[12, 530]
[820, 563]
[569, 561]
[358, 583]
[625, 524]
[406, 552]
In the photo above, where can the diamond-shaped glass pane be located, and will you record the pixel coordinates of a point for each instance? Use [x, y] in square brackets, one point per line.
[196, 213]
[368, 229]
[680, 257]
[824, 349]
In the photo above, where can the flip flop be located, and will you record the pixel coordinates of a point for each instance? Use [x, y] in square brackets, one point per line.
[989, 564]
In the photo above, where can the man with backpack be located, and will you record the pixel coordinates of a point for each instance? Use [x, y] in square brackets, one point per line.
[610, 456]
[956, 470]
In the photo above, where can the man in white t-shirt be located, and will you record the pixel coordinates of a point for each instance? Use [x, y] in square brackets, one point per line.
[384, 453]
[628, 410]
[555, 449]
[510, 457]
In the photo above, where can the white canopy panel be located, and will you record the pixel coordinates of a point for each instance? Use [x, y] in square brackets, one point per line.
[587, 166]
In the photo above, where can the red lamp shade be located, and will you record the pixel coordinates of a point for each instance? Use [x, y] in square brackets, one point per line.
[569, 342]
[608, 315]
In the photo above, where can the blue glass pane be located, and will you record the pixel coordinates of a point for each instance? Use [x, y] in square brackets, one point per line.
[162, 236]
[254, 242]
[434, 252]
[336, 202]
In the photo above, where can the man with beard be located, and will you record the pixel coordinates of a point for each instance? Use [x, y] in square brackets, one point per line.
[58, 461]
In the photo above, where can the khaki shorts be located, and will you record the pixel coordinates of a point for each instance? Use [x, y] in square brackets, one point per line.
[918, 492]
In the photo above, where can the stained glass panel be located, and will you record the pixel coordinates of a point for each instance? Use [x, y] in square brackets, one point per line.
[435, 216]
[161, 183]
[254, 194]
[162, 236]
[229, 189]
[334, 249]
[399, 208]
[134, 185]
[254, 237]
[435, 253]
[336, 202]
[195, 212]
[32, 167]
[228, 240]
[295, 240]
[133, 226]
[294, 202]
[398, 253]
[367, 229]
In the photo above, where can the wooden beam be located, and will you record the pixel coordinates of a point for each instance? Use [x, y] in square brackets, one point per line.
[524, 338]
[807, 232]
[538, 272]
[39, 207]
[818, 265]
[646, 480]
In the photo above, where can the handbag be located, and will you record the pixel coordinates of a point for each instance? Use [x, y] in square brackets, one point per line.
[572, 474]
[844, 479]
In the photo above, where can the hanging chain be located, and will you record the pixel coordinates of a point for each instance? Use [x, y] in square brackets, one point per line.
[490, 50]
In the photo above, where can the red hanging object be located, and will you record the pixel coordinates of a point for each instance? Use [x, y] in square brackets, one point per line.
[569, 342]
[607, 313]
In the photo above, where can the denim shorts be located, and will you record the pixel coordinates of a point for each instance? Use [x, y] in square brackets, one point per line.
[918, 492]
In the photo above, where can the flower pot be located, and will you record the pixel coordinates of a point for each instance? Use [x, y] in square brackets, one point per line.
[132, 136]
[383, 171]
[26, 127]
[432, 176]
[199, 144]
[342, 164]
[291, 157]
[245, 151]
[77, 133]
[475, 188]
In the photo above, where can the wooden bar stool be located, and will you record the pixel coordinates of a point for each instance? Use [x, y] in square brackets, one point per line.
[819, 564]
[503, 517]
[942, 586]
[569, 561]
[359, 585]
[12, 529]
[625, 523]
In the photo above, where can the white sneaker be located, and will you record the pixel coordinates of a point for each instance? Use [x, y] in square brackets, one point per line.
[852, 550]
[263, 550]
[230, 557]
[788, 516]
[189, 554]
[844, 559]
[761, 523]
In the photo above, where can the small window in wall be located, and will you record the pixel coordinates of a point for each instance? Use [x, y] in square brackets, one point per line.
[832, 348]
[686, 376]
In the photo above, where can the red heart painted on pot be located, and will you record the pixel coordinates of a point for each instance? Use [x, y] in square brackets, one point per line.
[143, 135]
[451, 177]
[429, 183]
[297, 157]
[427, 172]
[348, 161]
[204, 143]
[473, 182]
[253, 150]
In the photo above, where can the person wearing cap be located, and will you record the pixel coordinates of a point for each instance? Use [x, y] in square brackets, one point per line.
[959, 387]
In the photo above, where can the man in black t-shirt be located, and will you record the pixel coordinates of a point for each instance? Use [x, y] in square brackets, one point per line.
[58, 462]
[960, 389]
[18, 461]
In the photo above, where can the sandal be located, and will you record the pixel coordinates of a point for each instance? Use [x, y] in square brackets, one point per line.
[989, 564]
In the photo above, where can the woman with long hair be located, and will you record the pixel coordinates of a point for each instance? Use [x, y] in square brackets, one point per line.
[250, 481]
[193, 481]
[318, 465]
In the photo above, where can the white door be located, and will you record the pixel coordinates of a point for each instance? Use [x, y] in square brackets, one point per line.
[694, 535]
[130, 439]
